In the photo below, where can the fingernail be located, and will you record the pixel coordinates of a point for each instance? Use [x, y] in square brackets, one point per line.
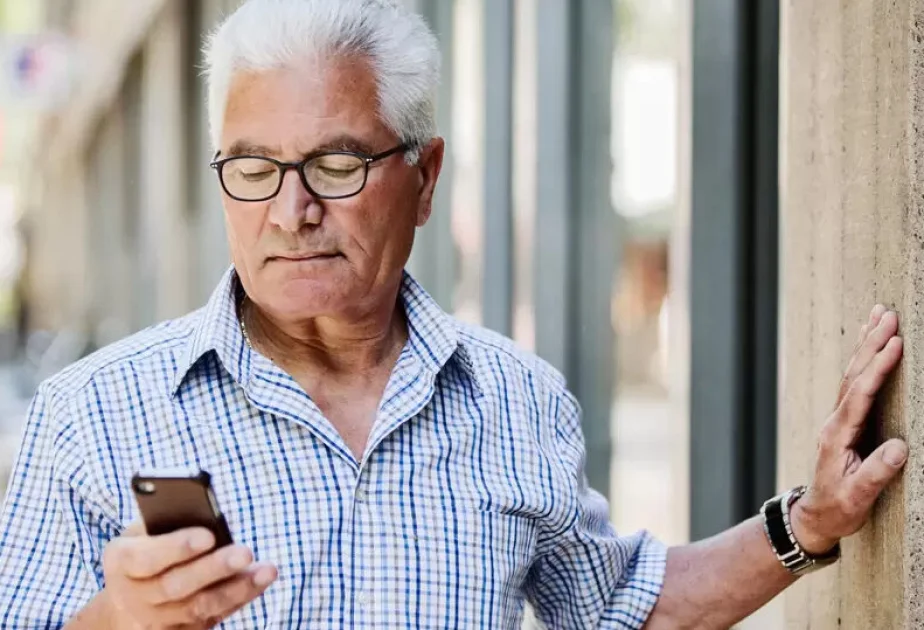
[895, 455]
[238, 559]
[200, 541]
[264, 576]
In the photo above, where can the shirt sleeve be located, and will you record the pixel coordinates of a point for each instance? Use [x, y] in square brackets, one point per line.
[51, 537]
[588, 576]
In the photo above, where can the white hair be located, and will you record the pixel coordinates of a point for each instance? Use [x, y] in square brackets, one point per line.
[271, 34]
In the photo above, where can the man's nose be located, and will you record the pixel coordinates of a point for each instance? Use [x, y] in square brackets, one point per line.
[294, 207]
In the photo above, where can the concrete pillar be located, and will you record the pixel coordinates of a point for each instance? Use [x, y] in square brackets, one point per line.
[110, 254]
[497, 287]
[164, 236]
[208, 255]
[678, 334]
[65, 266]
[433, 258]
[852, 218]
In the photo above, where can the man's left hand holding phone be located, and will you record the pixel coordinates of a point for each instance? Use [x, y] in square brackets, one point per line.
[178, 568]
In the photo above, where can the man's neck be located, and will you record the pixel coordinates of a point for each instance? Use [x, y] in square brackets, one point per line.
[338, 347]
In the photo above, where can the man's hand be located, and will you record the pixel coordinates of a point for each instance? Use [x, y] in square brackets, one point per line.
[845, 487]
[717, 582]
[171, 581]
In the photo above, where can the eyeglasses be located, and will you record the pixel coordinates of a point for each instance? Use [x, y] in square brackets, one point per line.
[327, 175]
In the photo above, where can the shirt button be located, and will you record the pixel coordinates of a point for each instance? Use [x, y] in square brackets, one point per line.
[360, 495]
[362, 599]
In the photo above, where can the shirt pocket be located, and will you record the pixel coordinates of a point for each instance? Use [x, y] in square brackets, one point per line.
[472, 562]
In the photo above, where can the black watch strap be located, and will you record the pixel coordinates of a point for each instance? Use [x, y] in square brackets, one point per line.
[777, 526]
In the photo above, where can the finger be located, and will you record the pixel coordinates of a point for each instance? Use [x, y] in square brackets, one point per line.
[220, 602]
[181, 582]
[146, 556]
[861, 354]
[877, 470]
[859, 399]
[876, 314]
[261, 576]
[873, 342]
[861, 337]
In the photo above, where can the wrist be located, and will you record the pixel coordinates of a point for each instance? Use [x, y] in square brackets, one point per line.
[99, 614]
[805, 529]
[799, 545]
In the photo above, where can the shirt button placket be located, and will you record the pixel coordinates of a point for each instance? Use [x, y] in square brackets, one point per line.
[363, 539]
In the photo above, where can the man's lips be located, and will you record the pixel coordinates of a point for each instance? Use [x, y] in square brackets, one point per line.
[304, 257]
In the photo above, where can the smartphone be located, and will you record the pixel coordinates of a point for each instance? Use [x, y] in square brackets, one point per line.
[174, 499]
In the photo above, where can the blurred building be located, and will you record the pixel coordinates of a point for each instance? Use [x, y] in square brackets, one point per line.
[123, 217]
[601, 203]
[553, 221]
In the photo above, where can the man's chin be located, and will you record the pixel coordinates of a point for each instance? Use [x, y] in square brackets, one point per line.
[308, 297]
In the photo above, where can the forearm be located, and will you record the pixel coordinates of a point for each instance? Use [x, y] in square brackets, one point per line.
[96, 615]
[717, 582]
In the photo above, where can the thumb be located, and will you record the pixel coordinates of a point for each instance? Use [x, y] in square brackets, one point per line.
[135, 528]
[880, 468]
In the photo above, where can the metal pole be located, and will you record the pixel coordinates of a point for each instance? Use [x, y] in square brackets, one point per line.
[433, 261]
[553, 257]
[498, 161]
[734, 255]
[596, 247]
[576, 229]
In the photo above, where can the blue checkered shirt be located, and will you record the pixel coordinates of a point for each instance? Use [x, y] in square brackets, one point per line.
[469, 501]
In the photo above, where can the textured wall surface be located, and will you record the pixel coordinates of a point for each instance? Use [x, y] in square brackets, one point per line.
[853, 234]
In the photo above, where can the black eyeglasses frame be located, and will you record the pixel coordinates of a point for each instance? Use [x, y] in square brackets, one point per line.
[299, 167]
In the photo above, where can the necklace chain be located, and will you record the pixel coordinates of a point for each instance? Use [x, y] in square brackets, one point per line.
[240, 320]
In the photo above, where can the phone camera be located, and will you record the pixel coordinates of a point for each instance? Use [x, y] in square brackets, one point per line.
[146, 487]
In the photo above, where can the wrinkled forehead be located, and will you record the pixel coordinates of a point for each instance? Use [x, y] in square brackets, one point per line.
[302, 105]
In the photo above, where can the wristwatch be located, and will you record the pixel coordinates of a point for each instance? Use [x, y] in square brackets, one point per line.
[788, 551]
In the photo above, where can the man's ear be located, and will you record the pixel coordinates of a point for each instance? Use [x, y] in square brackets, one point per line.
[429, 166]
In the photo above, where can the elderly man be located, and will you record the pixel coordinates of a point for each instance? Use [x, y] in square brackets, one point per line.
[381, 465]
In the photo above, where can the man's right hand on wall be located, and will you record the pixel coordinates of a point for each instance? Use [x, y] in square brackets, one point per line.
[841, 496]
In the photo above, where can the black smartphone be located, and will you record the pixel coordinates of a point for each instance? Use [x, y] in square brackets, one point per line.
[173, 499]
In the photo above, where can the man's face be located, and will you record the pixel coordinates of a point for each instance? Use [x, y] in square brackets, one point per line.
[302, 257]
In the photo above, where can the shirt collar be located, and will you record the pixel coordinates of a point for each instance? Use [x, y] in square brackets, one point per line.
[218, 330]
[433, 335]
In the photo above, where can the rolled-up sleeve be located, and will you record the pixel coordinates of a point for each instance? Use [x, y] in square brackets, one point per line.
[588, 576]
[50, 536]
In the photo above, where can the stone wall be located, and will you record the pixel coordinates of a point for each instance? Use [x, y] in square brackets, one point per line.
[852, 225]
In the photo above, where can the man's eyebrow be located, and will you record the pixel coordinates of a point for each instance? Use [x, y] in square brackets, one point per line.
[245, 147]
[343, 142]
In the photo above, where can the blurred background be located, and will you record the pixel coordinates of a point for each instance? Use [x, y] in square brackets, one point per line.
[609, 201]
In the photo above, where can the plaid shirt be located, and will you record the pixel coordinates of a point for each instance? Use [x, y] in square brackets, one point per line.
[470, 498]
